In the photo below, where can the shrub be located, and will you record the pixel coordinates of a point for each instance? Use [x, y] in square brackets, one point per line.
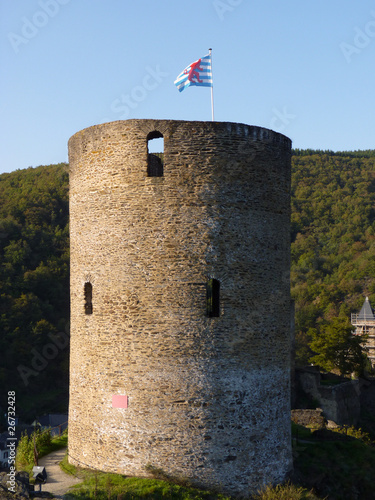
[25, 458]
[285, 492]
[355, 433]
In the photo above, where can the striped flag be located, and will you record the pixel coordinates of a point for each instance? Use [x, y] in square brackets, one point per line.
[197, 73]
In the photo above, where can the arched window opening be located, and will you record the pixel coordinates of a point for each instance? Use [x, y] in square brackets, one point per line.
[213, 298]
[155, 154]
[88, 298]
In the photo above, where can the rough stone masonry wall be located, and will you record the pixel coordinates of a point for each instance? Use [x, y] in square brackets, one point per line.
[208, 398]
[340, 403]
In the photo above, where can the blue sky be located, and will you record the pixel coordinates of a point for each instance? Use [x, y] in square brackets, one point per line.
[303, 68]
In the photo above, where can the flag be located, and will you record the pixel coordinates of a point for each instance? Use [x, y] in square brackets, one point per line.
[197, 73]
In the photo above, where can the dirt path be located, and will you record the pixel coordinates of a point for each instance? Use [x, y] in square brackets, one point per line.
[58, 482]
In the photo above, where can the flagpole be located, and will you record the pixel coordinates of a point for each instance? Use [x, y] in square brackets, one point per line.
[212, 87]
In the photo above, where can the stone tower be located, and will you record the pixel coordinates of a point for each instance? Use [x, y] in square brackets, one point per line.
[180, 306]
[364, 323]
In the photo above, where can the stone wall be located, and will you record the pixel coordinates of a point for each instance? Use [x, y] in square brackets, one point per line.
[340, 403]
[206, 398]
[309, 418]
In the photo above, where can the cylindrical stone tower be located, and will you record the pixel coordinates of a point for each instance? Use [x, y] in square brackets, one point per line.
[180, 306]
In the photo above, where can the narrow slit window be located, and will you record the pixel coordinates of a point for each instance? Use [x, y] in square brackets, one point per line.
[155, 154]
[213, 298]
[88, 298]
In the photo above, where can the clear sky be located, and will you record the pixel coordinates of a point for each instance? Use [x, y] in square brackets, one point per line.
[301, 67]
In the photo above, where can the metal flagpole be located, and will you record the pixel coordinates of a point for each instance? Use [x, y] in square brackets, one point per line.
[212, 87]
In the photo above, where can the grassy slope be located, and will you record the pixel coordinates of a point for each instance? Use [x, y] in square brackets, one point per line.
[335, 466]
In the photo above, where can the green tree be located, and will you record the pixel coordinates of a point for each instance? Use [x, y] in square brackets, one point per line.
[29, 448]
[336, 347]
[34, 285]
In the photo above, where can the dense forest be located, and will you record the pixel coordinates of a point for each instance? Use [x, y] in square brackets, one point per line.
[333, 238]
[34, 289]
[333, 265]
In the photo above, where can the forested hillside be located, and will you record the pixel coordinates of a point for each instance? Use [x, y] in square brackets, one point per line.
[333, 265]
[34, 288]
[333, 237]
